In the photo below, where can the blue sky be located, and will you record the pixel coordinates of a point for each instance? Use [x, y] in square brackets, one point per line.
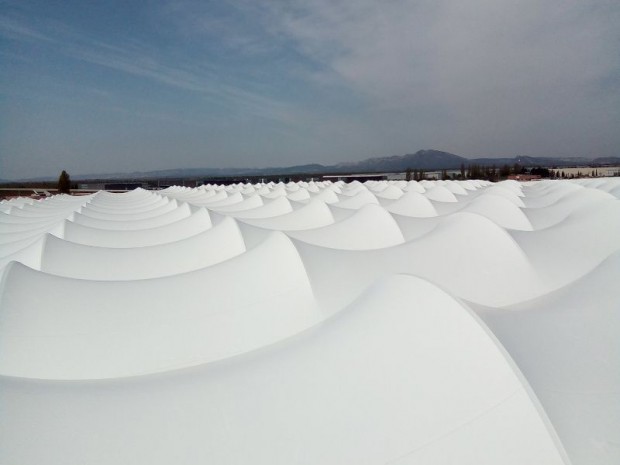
[95, 87]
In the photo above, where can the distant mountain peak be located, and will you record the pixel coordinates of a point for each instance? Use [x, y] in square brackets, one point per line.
[423, 159]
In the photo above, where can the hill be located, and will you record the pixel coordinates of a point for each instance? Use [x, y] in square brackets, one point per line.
[421, 160]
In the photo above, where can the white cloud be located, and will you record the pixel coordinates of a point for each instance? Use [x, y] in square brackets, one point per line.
[491, 67]
[296, 81]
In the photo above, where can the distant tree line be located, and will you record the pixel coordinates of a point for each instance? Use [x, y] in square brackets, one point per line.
[493, 173]
[476, 171]
[414, 175]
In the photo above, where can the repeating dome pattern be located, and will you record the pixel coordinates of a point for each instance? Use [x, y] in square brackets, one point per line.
[385, 322]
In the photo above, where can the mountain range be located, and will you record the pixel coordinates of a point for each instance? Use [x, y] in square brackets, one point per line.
[421, 160]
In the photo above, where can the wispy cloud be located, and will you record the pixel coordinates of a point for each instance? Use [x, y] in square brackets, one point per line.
[398, 47]
[17, 30]
[230, 25]
[495, 72]
[482, 77]
[144, 62]
[292, 81]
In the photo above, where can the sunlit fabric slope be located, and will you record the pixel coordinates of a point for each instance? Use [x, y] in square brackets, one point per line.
[327, 394]
[404, 322]
[133, 329]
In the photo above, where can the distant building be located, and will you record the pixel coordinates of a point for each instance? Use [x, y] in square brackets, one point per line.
[95, 186]
[125, 186]
[357, 177]
[525, 177]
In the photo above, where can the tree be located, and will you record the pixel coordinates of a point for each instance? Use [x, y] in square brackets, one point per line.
[504, 172]
[408, 174]
[542, 172]
[475, 172]
[64, 183]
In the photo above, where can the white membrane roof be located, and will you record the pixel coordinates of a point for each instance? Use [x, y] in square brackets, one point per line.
[385, 322]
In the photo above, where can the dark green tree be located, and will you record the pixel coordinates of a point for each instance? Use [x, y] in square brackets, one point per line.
[475, 172]
[504, 171]
[64, 183]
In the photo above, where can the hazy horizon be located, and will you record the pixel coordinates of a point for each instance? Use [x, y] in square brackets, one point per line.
[122, 87]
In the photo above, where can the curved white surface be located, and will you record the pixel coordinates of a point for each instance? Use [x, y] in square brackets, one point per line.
[323, 393]
[429, 322]
[413, 204]
[576, 374]
[371, 227]
[168, 217]
[93, 211]
[440, 194]
[131, 330]
[184, 228]
[65, 258]
[315, 214]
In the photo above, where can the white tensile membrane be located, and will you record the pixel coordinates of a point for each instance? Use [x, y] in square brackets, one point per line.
[429, 322]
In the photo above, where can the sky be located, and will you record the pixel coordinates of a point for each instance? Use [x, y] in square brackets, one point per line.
[119, 86]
